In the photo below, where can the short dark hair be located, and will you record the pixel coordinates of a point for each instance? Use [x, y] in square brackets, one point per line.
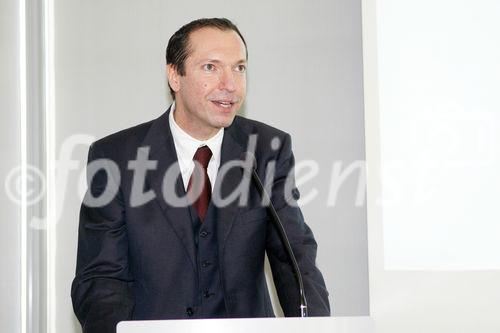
[178, 45]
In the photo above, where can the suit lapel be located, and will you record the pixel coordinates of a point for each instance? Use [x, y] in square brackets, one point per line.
[162, 149]
[233, 147]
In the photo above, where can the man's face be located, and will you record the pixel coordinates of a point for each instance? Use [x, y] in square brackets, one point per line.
[214, 85]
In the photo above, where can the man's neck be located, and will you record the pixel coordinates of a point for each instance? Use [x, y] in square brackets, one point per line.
[191, 127]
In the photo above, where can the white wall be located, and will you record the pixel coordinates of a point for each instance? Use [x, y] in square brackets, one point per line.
[431, 80]
[10, 217]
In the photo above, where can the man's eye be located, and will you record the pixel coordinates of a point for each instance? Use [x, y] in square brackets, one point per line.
[241, 68]
[208, 67]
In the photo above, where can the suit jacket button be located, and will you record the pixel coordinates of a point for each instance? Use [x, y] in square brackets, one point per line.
[203, 234]
[190, 312]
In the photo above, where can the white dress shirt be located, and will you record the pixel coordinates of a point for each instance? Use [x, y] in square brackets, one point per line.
[186, 146]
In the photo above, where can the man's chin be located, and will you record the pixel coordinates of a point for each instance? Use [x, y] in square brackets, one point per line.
[226, 121]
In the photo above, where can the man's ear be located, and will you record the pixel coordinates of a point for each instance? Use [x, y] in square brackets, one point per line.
[173, 78]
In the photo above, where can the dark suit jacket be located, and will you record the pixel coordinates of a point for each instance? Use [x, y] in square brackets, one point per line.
[139, 262]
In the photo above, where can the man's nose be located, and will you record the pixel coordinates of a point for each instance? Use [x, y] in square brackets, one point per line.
[227, 81]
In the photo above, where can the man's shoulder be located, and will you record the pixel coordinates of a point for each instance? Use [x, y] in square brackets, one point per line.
[250, 126]
[123, 140]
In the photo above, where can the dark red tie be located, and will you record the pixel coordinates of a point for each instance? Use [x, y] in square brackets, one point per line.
[199, 179]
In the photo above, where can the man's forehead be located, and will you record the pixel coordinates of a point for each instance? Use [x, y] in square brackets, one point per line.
[213, 39]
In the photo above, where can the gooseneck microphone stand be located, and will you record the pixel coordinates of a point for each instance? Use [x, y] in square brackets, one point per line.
[281, 231]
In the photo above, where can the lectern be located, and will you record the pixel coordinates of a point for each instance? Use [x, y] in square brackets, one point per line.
[254, 325]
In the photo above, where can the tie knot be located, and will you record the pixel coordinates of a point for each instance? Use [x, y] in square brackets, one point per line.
[203, 156]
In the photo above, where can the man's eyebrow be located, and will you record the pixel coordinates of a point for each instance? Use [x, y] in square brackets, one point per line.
[242, 61]
[210, 60]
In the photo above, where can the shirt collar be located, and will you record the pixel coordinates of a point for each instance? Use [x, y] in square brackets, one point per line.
[190, 144]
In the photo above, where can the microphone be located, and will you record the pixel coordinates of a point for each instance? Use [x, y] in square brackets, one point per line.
[252, 163]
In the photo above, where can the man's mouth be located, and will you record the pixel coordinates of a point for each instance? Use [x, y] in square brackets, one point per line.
[224, 104]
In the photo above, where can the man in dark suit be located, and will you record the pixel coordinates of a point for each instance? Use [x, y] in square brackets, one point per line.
[173, 240]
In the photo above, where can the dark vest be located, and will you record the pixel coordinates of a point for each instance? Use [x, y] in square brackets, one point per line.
[210, 291]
